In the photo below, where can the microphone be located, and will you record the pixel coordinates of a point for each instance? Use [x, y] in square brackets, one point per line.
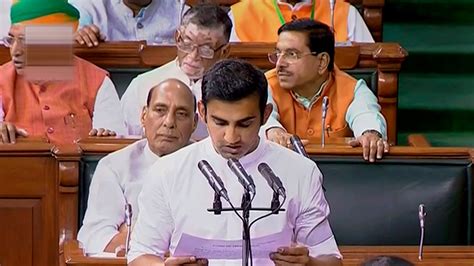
[273, 181]
[242, 176]
[214, 180]
[128, 222]
[332, 4]
[298, 145]
[323, 123]
[421, 217]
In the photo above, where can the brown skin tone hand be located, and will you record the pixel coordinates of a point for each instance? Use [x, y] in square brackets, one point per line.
[102, 132]
[280, 136]
[373, 147]
[88, 35]
[9, 132]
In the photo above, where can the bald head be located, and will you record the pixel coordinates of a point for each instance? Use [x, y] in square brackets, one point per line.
[172, 84]
[169, 118]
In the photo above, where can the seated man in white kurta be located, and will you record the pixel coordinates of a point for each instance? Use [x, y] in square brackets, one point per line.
[169, 118]
[176, 196]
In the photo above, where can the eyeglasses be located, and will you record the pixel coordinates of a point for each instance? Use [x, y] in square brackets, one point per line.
[204, 51]
[289, 56]
[9, 41]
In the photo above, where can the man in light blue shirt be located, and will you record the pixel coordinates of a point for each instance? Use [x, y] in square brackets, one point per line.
[305, 74]
[154, 21]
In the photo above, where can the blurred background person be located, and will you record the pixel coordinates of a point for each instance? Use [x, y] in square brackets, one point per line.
[59, 110]
[154, 21]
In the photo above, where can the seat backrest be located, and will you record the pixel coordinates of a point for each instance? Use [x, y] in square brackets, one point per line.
[377, 204]
[121, 77]
[87, 169]
[369, 75]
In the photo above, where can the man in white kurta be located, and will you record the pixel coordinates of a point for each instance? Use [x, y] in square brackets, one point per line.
[176, 197]
[188, 67]
[117, 180]
[169, 119]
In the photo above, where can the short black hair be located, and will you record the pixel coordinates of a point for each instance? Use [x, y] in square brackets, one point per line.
[320, 36]
[232, 80]
[387, 261]
[152, 90]
[210, 16]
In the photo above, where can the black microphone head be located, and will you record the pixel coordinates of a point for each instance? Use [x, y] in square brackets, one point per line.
[244, 179]
[325, 101]
[298, 145]
[207, 171]
[273, 180]
[212, 178]
[421, 214]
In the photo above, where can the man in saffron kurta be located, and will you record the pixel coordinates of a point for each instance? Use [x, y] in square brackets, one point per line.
[305, 73]
[61, 111]
[257, 21]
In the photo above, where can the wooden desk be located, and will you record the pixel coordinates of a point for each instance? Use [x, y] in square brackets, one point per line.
[353, 255]
[432, 255]
[74, 255]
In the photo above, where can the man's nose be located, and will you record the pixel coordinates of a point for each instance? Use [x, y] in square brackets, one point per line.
[231, 135]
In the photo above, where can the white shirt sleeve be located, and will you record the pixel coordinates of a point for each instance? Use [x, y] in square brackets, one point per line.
[107, 113]
[233, 33]
[154, 227]
[312, 227]
[131, 108]
[364, 112]
[274, 119]
[357, 30]
[105, 210]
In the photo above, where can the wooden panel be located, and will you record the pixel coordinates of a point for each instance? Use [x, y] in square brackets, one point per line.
[25, 213]
[28, 205]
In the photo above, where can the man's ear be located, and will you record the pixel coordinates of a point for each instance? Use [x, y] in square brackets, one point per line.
[202, 111]
[267, 112]
[176, 35]
[143, 115]
[225, 51]
[323, 62]
[196, 121]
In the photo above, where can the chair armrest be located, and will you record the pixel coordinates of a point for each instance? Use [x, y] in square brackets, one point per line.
[418, 140]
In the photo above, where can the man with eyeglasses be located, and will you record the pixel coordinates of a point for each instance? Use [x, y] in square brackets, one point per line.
[202, 39]
[61, 111]
[305, 73]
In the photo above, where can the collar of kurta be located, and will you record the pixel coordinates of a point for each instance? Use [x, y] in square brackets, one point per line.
[149, 155]
[248, 159]
[141, 13]
[303, 2]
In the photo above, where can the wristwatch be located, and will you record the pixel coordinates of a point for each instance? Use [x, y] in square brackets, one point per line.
[373, 131]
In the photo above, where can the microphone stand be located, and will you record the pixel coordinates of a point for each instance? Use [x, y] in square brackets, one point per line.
[246, 208]
[323, 118]
[217, 204]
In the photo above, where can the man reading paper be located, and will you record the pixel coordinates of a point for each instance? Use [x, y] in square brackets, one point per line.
[174, 203]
